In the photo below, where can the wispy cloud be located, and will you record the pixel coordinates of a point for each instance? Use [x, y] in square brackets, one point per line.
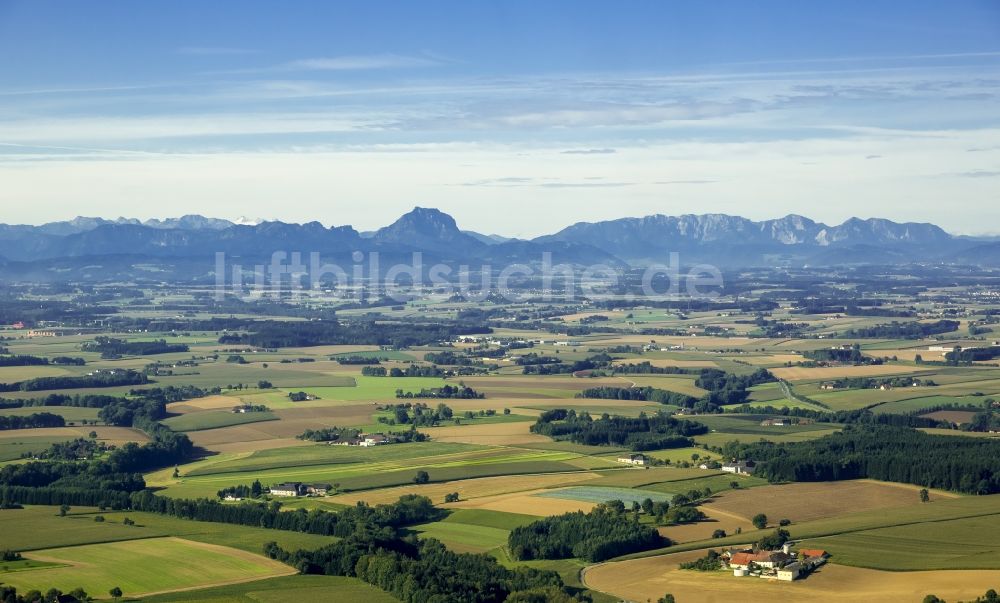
[515, 181]
[979, 174]
[359, 62]
[589, 152]
[685, 182]
[213, 50]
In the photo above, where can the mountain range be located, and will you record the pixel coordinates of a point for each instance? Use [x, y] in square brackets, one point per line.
[728, 241]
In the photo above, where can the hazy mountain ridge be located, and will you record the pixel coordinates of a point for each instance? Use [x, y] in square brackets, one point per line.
[716, 238]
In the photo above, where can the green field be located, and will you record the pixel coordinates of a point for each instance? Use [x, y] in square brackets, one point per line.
[375, 388]
[323, 454]
[142, 566]
[40, 527]
[282, 589]
[13, 448]
[970, 543]
[70, 413]
[212, 419]
[387, 354]
[360, 469]
[599, 494]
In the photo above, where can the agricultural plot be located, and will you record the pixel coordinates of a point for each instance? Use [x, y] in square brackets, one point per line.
[111, 435]
[467, 489]
[280, 590]
[600, 494]
[969, 543]
[144, 566]
[373, 388]
[362, 476]
[526, 503]
[806, 501]
[14, 448]
[798, 373]
[70, 413]
[677, 455]
[213, 419]
[498, 434]
[648, 578]
[40, 527]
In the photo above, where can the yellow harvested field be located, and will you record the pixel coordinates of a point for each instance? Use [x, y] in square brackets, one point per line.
[690, 341]
[525, 504]
[804, 501]
[468, 489]
[495, 434]
[665, 362]
[293, 422]
[910, 354]
[702, 530]
[206, 403]
[649, 578]
[797, 373]
[774, 359]
[112, 435]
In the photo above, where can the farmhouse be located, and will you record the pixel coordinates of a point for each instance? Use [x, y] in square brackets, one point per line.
[318, 489]
[634, 459]
[784, 565]
[773, 423]
[374, 439]
[739, 467]
[287, 489]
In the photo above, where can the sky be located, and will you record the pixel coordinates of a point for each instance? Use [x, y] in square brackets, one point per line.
[516, 117]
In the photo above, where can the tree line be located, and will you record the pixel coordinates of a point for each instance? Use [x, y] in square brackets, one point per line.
[34, 420]
[644, 432]
[27, 360]
[280, 334]
[104, 378]
[110, 347]
[605, 532]
[896, 454]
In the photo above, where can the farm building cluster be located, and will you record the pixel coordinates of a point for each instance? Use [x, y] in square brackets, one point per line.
[785, 564]
[294, 489]
[370, 439]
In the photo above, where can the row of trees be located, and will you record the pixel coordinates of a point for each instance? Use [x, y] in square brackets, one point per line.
[640, 433]
[38, 419]
[896, 454]
[110, 347]
[607, 531]
[281, 334]
[461, 391]
[25, 360]
[112, 378]
[903, 330]
[424, 570]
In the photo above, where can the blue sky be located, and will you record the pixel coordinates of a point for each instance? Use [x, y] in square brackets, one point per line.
[516, 117]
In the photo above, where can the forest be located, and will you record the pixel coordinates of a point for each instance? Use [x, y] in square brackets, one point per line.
[111, 378]
[902, 330]
[110, 347]
[642, 433]
[895, 454]
[605, 532]
[279, 334]
[38, 419]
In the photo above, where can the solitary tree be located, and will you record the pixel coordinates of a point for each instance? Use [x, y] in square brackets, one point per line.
[719, 534]
[667, 598]
[115, 592]
[421, 477]
[759, 521]
[925, 496]
[63, 510]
